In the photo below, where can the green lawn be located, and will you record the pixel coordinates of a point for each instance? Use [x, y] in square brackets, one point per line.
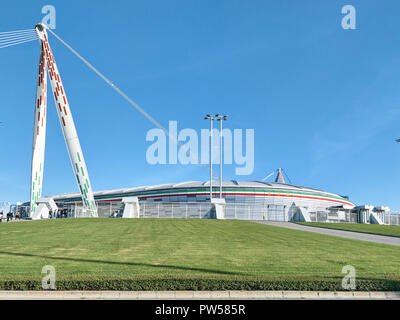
[161, 254]
[366, 228]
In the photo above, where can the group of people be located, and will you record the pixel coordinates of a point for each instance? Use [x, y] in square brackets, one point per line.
[59, 213]
[115, 214]
[9, 216]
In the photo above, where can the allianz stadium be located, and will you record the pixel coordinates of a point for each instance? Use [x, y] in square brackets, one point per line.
[250, 200]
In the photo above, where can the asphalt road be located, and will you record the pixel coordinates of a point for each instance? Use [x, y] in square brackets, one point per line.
[337, 233]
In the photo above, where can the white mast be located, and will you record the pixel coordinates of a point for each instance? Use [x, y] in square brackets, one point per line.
[39, 132]
[68, 128]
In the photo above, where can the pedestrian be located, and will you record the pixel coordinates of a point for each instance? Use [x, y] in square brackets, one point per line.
[1, 216]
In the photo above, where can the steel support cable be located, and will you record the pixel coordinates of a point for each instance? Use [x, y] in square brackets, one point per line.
[16, 36]
[129, 100]
[16, 43]
[271, 174]
[287, 177]
[9, 33]
[17, 31]
[17, 39]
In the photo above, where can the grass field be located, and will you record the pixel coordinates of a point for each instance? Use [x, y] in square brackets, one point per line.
[162, 254]
[393, 231]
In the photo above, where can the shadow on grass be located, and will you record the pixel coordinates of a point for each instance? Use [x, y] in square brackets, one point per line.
[123, 263]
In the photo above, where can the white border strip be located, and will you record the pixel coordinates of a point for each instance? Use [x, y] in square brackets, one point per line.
[197, 295]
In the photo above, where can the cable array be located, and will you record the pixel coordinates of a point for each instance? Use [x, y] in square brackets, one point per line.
[129, 100]
[13, 38]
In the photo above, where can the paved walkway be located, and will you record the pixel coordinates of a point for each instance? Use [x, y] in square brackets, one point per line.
[338, 233]
[194, 295]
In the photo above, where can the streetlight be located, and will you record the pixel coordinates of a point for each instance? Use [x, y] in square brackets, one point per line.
[220, 118]
[211, 125]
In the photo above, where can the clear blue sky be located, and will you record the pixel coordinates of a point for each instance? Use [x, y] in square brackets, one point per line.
[323, 101]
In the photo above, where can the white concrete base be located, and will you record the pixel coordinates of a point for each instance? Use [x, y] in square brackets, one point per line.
[132, 207]
[43, 208]
[302, 215]
[219, 207]
[197, 295]
[375, 219]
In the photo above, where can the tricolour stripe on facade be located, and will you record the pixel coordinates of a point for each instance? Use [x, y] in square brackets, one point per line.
[227, 192]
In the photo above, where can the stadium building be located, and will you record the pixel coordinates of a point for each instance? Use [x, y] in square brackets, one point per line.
[252, 200]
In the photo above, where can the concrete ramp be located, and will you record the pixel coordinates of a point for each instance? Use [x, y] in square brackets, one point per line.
[302, 215]
[374, 218]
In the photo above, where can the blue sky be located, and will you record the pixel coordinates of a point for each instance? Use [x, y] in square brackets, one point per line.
[323, 101]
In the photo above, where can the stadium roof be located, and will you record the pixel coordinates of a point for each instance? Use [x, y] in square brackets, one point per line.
[199, 184]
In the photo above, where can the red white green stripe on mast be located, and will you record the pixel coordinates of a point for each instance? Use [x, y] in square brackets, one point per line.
[48, 63]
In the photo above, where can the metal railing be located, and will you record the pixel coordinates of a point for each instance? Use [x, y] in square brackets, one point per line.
[392, 219]
[334, 217]
[199, 210]
[175, 210]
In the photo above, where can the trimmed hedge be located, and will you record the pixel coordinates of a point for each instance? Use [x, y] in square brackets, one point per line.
[205, 284]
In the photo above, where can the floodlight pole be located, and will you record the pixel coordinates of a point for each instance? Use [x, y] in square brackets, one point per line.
[220, 158]
[220, 119]
[211, 127]
[211, 120]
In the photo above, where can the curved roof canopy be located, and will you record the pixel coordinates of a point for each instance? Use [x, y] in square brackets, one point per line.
[200, 184]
